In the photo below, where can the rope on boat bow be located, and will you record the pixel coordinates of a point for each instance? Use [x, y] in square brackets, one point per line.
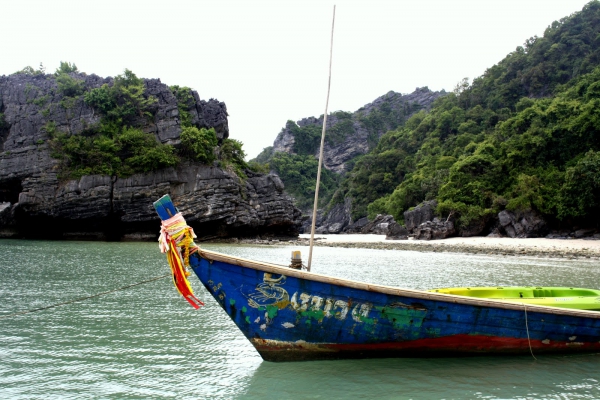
[83, 298]
[177, 241]
[527, 327]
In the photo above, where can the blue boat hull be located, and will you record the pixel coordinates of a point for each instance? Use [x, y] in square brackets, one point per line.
[291, 315]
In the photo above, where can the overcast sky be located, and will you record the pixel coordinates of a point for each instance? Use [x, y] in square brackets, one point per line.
[268, 60]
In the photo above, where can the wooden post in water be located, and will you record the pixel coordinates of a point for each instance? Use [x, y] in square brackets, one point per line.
[314, 215]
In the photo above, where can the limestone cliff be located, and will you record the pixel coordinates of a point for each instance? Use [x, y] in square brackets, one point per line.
[35, 202]
[348, 136]
[353, 134]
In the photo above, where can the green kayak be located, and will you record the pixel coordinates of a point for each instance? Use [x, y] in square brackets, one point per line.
[563, 297]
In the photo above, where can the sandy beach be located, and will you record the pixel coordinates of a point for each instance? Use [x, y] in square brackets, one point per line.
[538, 247]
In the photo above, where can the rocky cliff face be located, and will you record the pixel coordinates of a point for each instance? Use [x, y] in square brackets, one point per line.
[354, 134]
[350, 135]
[34, 202]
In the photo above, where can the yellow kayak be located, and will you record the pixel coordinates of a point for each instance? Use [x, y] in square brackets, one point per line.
[563, 297]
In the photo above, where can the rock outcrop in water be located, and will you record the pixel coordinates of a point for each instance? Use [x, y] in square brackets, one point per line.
[36, 202]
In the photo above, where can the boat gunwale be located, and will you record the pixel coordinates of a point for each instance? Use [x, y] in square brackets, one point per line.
[371, 287]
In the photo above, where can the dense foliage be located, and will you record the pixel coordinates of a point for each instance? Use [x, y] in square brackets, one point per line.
[123, 101]
[120, 152]
[185, 100]
[306, 138]
[299, 172]
[390, 112]
[114, 146]
[198, 144]
[524, 136]
[232, 157]
[117, 145]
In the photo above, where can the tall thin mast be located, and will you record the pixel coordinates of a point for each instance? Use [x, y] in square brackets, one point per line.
[314, 215]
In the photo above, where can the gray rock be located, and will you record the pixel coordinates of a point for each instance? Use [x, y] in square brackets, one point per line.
[307, 223]
[397, 232]
[495, 233]
[353, 136]
[475, 228]
[5, 213]
[7, 220]
[580, 233]
[379, 226]
[337, 218]
[422, 213]
[357, 226]
[522, 224]
[433, 230]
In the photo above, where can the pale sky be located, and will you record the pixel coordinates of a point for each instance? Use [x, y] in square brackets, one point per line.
[268, 60]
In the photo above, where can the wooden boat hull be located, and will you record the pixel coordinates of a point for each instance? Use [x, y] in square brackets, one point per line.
[291, 315]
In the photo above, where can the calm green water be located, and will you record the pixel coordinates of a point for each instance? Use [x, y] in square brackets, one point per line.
[146, 342]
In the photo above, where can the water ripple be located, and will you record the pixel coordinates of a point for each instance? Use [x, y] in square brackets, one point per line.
[146, 342]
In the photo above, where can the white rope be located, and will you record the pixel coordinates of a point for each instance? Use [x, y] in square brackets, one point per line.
[314, 215]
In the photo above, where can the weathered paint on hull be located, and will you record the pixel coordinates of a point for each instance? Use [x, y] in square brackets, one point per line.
[290, 315]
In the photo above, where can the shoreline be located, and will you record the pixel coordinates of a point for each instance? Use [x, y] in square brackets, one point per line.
[528, 247]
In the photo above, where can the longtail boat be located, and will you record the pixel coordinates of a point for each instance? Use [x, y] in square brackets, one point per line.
[289, 314]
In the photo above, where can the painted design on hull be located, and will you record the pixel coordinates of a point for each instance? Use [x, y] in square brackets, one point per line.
[406, 319]
[269, 296]
[269, 307]
[302, 319]
[268, 293]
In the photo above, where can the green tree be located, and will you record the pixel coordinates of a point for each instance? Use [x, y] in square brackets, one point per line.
[516, 137]
[299, 172]
[185, 102]
[128, 152]
[306, 138]
[29, 70]
[580, 193]
[69, 86]
[66, 68]
[124, 100]
[198, 144]
[233, 156]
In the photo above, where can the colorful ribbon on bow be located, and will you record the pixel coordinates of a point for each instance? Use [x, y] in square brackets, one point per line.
[176, 237]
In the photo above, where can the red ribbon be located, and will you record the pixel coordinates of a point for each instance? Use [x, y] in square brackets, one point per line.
[179, 275]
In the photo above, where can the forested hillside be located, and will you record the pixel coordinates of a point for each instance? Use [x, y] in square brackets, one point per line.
[523, 136]
[295, 152]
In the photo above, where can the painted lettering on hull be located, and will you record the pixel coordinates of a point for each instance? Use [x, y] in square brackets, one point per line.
[270, 296]
[317, 307]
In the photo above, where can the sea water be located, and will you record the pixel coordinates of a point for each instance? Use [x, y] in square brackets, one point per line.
[145, 341]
